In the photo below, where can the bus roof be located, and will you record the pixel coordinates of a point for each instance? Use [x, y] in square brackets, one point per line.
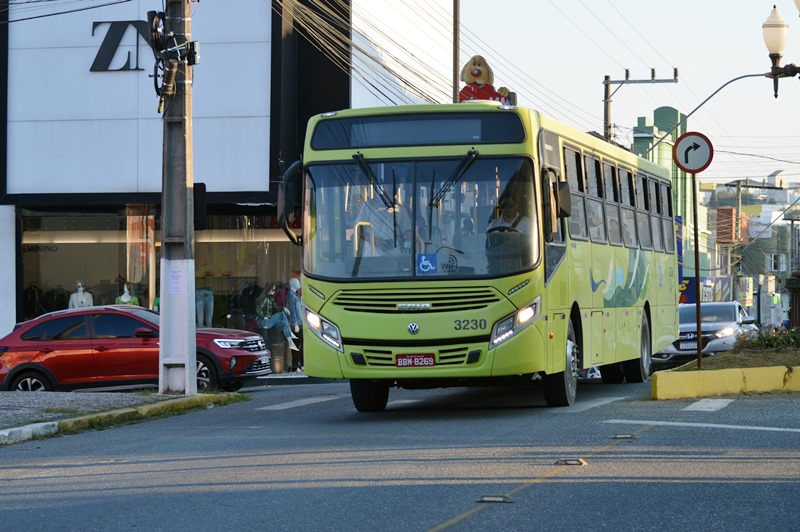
[531, 118]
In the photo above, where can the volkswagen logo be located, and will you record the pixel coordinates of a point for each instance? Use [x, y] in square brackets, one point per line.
[413, 328]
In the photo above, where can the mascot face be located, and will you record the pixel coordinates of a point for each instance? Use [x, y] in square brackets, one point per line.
[476, 71]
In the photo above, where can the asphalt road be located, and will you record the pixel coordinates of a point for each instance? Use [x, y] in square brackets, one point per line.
[301, 458]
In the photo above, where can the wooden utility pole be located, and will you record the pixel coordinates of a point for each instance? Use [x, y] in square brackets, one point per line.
[177, 355]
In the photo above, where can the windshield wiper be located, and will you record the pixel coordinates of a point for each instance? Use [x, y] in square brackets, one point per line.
[362, 163]
[457, 174]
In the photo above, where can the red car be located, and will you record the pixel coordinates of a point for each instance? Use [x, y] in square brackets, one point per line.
[116, 347]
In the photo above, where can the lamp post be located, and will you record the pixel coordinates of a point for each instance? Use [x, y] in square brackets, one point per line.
[776, 31]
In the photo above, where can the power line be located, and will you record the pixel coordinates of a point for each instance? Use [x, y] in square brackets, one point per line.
[75, 10]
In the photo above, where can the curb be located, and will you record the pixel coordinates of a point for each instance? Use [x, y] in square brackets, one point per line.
[110, 418]
[28, 432]
[687, 384]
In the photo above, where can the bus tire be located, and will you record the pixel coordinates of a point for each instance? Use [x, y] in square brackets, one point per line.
[368, 395]
[612, 373]
[560, 388]
[638, 370]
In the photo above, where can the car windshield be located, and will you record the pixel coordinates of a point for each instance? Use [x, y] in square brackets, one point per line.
[709, 312]
[467, 216]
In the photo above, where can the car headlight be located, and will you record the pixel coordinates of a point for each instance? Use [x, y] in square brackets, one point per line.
[512, 324]
[325, 330]
[727, 331]
[226, 343]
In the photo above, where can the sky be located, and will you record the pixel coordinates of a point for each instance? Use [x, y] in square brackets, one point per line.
[555, 54]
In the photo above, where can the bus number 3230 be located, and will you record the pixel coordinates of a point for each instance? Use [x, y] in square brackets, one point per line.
[469, 325]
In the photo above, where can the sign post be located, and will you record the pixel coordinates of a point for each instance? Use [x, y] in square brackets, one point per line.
[692, 153]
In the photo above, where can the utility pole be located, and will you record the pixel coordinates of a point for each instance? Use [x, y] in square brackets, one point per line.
[607, 94]
[456, 48]
[735, 272]
[170, 33]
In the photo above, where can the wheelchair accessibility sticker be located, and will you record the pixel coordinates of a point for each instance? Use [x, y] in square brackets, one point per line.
[426, 263]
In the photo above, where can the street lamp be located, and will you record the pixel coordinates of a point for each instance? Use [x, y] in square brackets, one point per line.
[775, 31]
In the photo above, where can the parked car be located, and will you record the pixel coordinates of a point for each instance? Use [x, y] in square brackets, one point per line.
[721, 324]
[117, 347]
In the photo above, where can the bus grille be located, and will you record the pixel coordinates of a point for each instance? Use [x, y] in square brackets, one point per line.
[444, 357]
[416, 300]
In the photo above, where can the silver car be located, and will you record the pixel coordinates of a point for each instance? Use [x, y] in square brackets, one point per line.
[721, 325]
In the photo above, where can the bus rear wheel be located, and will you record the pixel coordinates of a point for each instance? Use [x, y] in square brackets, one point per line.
[560, 388]
[638, 370]
[369, 396]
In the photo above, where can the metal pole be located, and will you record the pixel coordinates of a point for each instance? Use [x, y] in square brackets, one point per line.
[177, 352]
[697, 290]
[685, 118]
[456, 48]
[607, 108]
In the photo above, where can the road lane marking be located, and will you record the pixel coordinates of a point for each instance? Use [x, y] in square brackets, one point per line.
[302, 402]
[698, 425]
[586, 405]
[709, 405]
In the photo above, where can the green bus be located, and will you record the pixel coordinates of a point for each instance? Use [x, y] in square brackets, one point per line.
[477, 244]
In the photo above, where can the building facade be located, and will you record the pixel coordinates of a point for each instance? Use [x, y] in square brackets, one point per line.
[81, 153]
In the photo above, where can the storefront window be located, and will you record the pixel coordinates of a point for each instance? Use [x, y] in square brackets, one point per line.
[235, 259]
[101, 252]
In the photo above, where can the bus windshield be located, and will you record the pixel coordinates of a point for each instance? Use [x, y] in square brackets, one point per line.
[466, 217]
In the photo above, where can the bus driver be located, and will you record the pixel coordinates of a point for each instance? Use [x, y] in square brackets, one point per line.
[511, 217]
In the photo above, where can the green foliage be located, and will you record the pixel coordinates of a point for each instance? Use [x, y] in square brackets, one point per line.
[771, 340]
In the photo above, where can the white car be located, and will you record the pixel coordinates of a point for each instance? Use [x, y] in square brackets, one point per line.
[721, 325]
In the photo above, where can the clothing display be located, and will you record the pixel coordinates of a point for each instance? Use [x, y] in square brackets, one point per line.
[204, 303]
[81, 298]
[126, 298]
[293, 304]
[271, 315]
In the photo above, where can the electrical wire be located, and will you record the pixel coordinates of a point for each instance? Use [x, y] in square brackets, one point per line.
[26, 5]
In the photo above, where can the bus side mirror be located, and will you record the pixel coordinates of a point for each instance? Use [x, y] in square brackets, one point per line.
[287, 200]
[564, 199]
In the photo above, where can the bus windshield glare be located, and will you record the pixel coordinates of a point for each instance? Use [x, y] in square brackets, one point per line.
[462, 217]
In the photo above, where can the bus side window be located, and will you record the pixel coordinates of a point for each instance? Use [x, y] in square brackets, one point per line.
[642, 213]
[666, 218]
[627, 208]
[595, 190]
[574, 173]
[655, 214]
[612, 204]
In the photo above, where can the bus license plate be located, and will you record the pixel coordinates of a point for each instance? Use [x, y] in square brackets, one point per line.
[415, 361]
[688, 345]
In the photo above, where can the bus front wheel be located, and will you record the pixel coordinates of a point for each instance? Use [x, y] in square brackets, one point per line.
[638, 369]
[369, 396]
[560, 388]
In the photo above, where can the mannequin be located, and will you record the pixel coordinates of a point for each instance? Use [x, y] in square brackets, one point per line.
[81, 298]
[270, 315]
[126, 298]
[293, 302]
[295, 315]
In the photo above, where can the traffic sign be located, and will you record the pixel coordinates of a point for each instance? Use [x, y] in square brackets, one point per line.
[692, 152]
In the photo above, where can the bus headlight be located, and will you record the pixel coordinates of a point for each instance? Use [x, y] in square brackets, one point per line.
[512, 324]
[324, 330]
